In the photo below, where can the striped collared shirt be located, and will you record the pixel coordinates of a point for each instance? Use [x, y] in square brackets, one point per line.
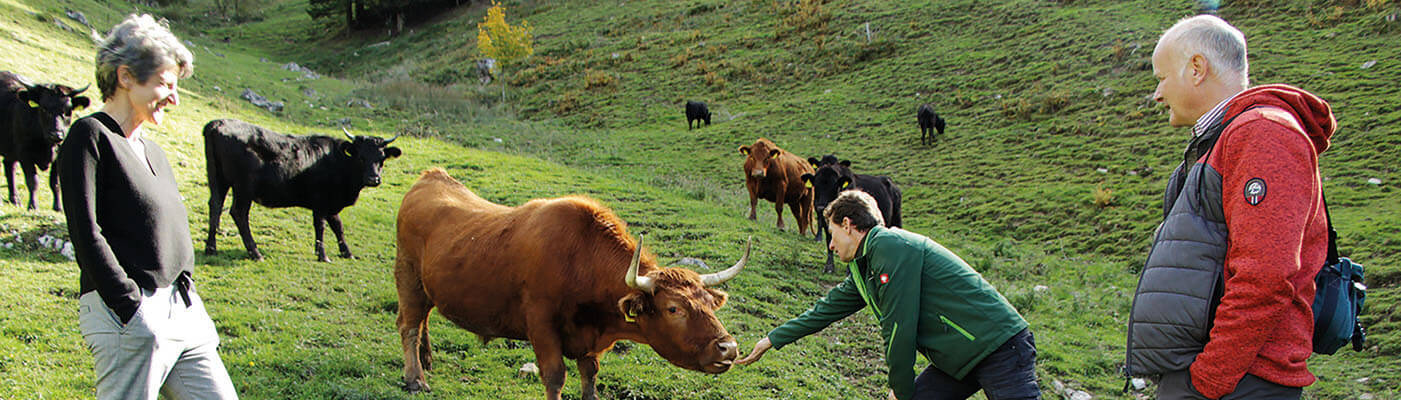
[1211, 117]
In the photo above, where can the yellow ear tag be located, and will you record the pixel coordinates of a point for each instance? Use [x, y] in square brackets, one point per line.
[807, 185]
[630, 317]
[32, 104]
[845, 184]
[776, 155]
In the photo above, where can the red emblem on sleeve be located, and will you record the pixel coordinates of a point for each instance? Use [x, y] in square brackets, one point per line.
[884, 278]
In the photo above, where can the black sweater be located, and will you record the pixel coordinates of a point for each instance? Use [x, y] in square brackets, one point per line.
[127, 223]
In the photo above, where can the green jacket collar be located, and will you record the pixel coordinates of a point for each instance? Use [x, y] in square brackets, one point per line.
[861, 251]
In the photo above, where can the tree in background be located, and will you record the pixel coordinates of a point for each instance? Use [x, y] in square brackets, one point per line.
[501, 41]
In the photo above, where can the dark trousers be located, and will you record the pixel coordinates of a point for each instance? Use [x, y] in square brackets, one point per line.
[1008, 373]
[1178, 386]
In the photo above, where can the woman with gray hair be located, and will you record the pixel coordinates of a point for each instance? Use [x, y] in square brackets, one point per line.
[138, 310]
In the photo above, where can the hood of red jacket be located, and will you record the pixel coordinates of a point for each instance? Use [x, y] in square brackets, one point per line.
[1312, 112]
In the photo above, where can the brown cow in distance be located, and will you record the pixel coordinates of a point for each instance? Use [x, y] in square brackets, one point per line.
[562, 273]
[775, 175]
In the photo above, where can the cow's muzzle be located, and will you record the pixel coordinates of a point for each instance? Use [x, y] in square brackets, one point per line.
[726, 350]
[758, 173]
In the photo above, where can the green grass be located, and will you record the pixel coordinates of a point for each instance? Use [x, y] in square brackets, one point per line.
[1038, 95]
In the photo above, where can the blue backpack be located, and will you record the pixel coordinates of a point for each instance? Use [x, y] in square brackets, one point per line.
[1338, 300]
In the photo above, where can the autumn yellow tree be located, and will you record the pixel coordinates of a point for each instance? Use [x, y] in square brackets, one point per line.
[502, 41]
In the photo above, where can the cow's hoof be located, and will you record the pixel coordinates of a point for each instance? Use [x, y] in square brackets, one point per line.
[830, 269]
[210, 251]
[347, 255]
[255, 256]
[416, 386]
[324, 259]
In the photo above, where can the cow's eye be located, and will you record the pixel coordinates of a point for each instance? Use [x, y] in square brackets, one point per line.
[671, 309]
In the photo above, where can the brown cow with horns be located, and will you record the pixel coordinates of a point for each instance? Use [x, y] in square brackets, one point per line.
[555, 272]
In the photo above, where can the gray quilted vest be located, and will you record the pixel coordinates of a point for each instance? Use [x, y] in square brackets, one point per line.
[1181, 283]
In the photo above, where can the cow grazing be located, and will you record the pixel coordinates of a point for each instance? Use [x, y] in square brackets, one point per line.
[562, 273]
[929, 122]
[833, 177]
[775, 175]
[696, 111]
[33, 120]
[324, 174]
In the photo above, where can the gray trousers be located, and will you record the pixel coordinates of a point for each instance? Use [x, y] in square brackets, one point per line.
[166, 349]
[1178, 386]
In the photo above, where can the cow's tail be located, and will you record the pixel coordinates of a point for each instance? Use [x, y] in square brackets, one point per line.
[894, 220]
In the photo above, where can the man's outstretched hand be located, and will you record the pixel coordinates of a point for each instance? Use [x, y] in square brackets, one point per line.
[754, 355]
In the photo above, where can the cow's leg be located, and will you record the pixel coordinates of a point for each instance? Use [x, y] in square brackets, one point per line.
[753, 203]
[217, 192]
[412, 323]
[239, 212]
[548, 354]
[335, 221]
[10, 180]
[588, 377]
[778, 208]
[53, 186]
[798, 214]
[425, 349]
[318, 224]
[827, 244]
[31, 180]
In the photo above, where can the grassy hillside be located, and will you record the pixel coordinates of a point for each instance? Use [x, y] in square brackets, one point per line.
[1039, 96]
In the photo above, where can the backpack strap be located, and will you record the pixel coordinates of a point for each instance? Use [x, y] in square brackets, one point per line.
[1332, 233]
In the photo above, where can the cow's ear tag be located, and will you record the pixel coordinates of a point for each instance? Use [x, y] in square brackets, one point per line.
[845, 184]
[33, 104]
[807, 184]
[631, 316]
[776, 155]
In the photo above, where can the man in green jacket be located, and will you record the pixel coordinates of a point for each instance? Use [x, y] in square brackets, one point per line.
[928, 301]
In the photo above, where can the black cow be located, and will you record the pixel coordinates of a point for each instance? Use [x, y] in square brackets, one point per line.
[833, 176]
[696, 111]
[320, 173]
[929, 121]
[33, 120]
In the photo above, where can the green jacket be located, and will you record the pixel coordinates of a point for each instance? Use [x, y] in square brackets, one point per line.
[926, 299]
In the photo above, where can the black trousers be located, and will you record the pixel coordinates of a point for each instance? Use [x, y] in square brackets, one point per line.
[1009, 373]
[1178, 386]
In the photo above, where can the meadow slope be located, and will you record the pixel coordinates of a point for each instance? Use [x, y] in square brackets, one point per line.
[1040, 97]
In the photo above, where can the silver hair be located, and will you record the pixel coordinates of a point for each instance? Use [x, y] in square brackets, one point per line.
[145, 46]
[1222, 44]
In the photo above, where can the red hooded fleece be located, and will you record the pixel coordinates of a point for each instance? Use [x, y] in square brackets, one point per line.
[1278, 239]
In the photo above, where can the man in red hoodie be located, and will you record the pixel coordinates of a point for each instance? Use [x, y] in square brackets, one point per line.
[1222, 308]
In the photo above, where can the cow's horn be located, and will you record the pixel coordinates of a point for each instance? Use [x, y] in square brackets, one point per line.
[642, 283]
[76, 92]
[391, 140]
[347, 134]
[722, 276]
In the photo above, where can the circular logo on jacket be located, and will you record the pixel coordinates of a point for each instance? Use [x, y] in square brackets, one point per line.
[884, 278]
[1254, 191]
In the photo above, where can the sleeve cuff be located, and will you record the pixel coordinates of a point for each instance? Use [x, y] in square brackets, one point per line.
[1208, 387]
